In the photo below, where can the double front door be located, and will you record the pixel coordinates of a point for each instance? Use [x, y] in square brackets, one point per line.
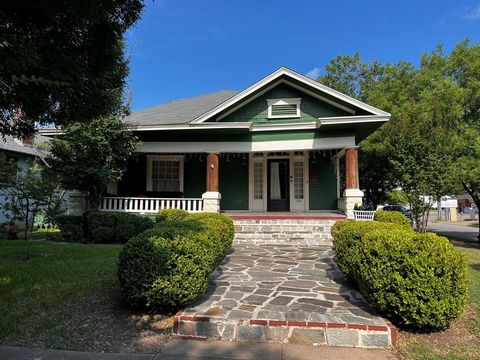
[278, 184]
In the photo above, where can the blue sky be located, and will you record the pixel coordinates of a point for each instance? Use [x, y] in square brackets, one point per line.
[185, 48]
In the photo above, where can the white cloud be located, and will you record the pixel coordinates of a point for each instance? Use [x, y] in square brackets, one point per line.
[314, 73]
[472, 13]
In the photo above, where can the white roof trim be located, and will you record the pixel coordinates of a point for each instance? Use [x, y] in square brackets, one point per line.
[301, 78]
[340, 120]
[210, 125]
[289, 126]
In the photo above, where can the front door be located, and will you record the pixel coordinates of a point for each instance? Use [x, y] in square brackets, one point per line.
[278, 185]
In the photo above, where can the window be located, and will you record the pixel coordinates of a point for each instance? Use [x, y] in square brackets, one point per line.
[283, 108]
[258, 180]
[165, 174]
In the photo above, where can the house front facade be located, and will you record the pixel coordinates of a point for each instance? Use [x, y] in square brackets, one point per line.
[285, 144]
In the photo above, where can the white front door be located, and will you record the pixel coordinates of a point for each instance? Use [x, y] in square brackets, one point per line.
[298, 181]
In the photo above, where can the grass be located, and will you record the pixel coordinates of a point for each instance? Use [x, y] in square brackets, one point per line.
[42, 234]
[462, 340]
[66, 296]
[54, 274]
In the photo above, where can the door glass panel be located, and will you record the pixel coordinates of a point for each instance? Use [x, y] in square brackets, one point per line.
[258, 180]
[298, 179]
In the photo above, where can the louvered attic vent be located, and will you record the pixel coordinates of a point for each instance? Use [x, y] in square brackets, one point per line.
[283, 108]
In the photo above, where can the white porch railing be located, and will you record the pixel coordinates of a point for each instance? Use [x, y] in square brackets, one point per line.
[362, 215]
[149, 205]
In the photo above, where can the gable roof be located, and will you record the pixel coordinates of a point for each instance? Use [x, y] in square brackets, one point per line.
[180, 111]
[285, 75]
[11, 144]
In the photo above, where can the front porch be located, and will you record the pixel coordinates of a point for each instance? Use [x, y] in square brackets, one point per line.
[313, 182]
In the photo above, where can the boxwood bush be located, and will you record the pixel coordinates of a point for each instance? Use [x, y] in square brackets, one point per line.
[167, 267]
[111, 227]
[71, 227]
[418, 280]
[394, 217]
[171, 215]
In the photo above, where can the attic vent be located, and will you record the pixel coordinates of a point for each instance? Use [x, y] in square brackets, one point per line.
[283, 108]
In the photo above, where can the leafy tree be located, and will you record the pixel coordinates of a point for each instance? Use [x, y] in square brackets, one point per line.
[62, 61]
[90, 156]
[30, 192]
[397, 197]
[432, 143]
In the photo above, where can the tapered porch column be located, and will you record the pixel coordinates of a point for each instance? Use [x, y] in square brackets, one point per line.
[211, 198]
[352, 194]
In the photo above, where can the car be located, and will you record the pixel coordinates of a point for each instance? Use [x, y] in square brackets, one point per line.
[399, 208]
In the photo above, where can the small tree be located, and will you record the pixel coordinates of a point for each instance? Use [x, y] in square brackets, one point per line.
[30, 192]
[90, 156]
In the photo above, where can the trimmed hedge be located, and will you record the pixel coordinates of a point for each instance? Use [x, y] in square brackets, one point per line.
[393, 217]
[167, 267]
[417, 280]
[105, 227]
[171, 215]
[71, 227]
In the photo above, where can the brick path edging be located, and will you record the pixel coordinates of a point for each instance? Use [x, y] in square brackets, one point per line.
[304, 332]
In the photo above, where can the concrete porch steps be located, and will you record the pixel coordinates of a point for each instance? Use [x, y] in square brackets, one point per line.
[284, 230]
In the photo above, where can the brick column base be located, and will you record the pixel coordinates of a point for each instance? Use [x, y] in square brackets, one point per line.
[211, 201]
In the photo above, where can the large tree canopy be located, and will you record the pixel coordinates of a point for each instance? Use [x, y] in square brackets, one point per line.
[62, 61]
[431, 146]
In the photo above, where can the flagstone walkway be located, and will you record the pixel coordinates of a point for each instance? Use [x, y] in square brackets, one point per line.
[283, 293]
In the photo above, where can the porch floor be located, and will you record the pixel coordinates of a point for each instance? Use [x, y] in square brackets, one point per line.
[283, 293]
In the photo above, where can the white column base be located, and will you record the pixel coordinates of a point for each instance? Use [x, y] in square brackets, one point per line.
[351, 197]
[211, 201]
[77, 203]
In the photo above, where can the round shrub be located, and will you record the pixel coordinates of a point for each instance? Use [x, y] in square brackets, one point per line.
[165, 274]
[393, 217]
[167, 267]
[347, 239]
[418, 280]
[172, 215]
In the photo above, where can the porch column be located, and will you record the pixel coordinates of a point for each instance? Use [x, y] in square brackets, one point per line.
[211, 198]
[352, 194]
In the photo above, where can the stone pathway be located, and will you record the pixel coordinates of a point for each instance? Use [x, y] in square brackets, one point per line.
[283, 293]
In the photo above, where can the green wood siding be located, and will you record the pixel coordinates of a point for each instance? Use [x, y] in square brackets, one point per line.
[195, 176]
[257, 110]
[233, 177]
[323, 184]
[134, 180]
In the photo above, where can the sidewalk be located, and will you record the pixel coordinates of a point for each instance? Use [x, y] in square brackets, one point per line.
[208, 350]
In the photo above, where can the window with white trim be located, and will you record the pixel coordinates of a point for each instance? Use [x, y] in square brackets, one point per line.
[165, 173]
[284, 108]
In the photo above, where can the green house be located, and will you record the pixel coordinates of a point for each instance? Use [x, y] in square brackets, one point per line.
[285, 144]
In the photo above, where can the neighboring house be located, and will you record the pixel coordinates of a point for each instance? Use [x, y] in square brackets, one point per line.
[275, 146]
[24, 153]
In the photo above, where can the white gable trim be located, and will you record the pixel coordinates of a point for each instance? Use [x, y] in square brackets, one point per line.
[303, 79]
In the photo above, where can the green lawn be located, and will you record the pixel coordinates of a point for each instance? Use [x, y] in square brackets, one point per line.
[66, 296]
[462, 340]
[56, 273]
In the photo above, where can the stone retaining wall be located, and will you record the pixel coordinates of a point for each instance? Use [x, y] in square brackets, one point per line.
[292, 332]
